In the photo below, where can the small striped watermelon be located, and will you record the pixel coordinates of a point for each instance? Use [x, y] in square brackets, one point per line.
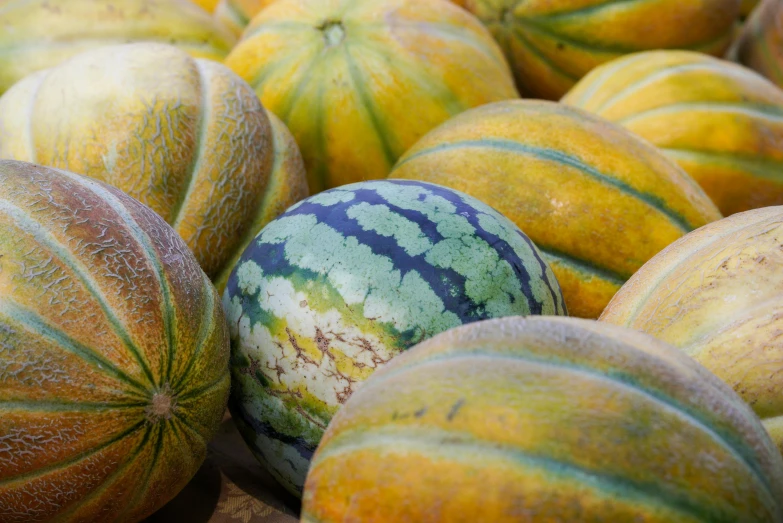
[544, 420]
[343, 281]
[760, 45]
[113, 352]
[596, 200]
[357, 83]
[551, 44]
[721, 122]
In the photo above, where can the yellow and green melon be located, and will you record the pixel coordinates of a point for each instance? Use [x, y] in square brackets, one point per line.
[717, 294]
[185, 136]
[357, 83]
[38, 34]
[721, 122]
[207, 5]
[760, 45]
[551, 44]
[113, 352]
[519, 420]
[597, 200]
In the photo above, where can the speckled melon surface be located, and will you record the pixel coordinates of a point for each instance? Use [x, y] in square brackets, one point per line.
[184, 136]
[717, 294]
[114, 353]
[345, 280]
[530, 420]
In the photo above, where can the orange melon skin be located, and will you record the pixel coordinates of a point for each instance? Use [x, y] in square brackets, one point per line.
[113, 352]
[719, 121]
[596, 200]
[544, 420]
[716, 294]
[184, 136]
[551, 44]
[207, 5]
[357, 83]
[38, 34]
[760, 44]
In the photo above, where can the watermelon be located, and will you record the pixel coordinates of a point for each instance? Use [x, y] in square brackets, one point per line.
[343, 281]
[184, 136]
[113, 352]
[357, 83]
[544, 420]
[677, 99]
[38, 34]
[551, 44]
[717, 294]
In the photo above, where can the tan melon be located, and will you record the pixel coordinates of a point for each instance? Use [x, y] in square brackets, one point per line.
[717, 294]
[185, 136]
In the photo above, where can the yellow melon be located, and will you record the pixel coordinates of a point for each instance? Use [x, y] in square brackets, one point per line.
[597, 200]
[721, 122]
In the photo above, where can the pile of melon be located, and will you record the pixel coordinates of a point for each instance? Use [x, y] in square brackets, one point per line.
[440, 261]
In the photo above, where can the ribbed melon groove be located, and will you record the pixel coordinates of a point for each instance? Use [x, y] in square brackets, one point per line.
[204, 389]
[587, 10]
[143, 486]
[769, 170]
[32, 227]
[41, 471]
[584, 266]
[167, 307]
[618, 379]
[650, 79]
[543, 32]
[368, 106]
[206, 326]
[188, 425]
[271, 27]
[306, 78]
[532, 48]
[558, 157]
[108, 482]
[455, 447]
[32, 322]
[745, 109]
[29, 405]
[607, 72]
[202, 125]
[444, 32]
[429, 83]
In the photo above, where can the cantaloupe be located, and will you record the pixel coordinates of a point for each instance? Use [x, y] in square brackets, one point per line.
[597, 200]
[185, 136]
[544, 419]
[113, 352]
[236, 14]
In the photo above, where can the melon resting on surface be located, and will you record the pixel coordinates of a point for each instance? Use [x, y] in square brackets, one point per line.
[544, 419]
[717, 294]
[347, 279]
[113, 352]
[184, 136]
